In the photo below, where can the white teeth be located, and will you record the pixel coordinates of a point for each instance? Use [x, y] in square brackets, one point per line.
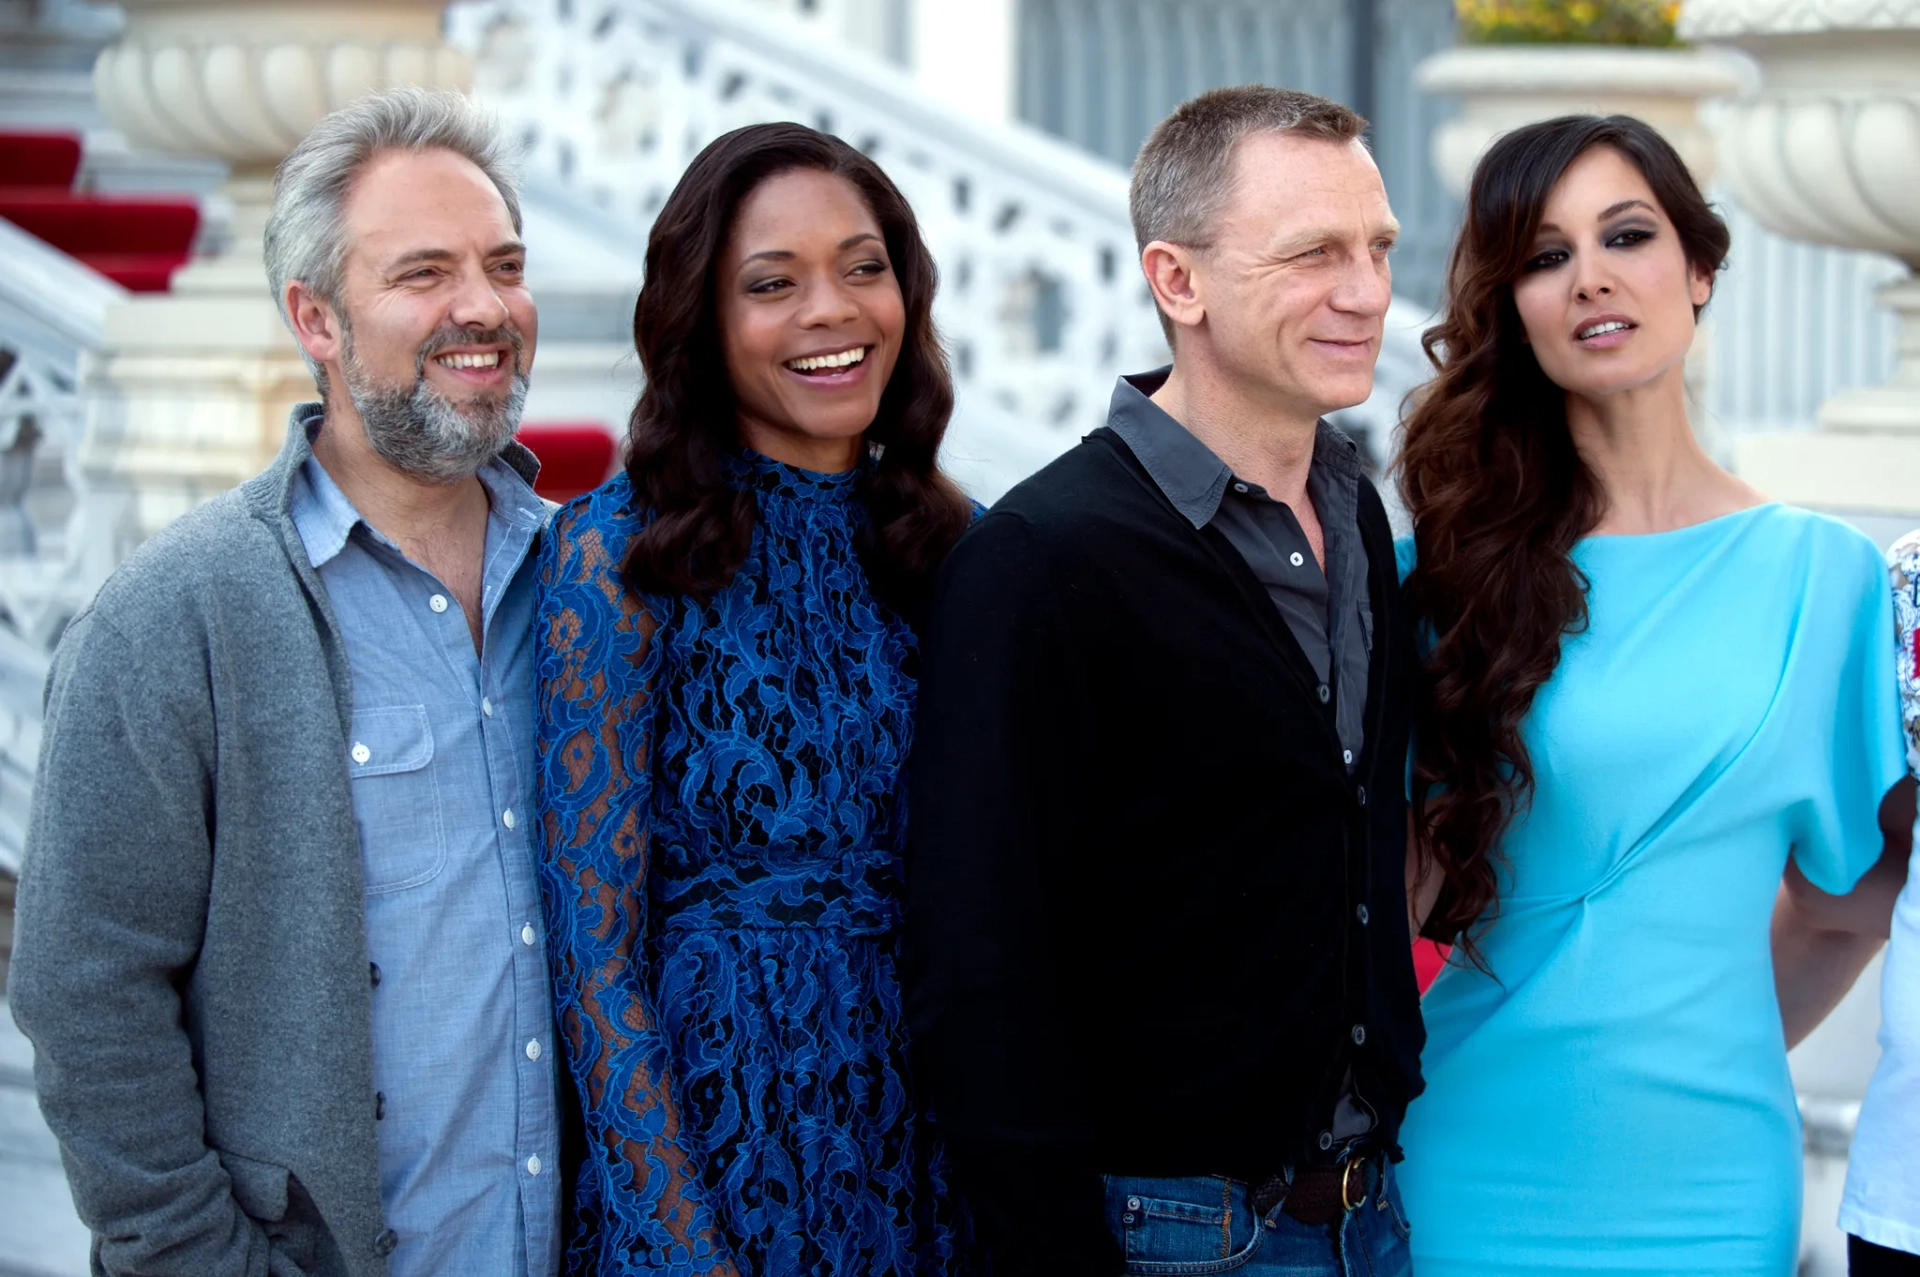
[813, 363]
[489, 360]
[1611, 326]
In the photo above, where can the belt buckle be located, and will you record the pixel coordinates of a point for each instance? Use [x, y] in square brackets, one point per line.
[1348, 1200]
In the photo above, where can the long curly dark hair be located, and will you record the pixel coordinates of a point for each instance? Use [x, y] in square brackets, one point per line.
[1499, 495]
[685, 423]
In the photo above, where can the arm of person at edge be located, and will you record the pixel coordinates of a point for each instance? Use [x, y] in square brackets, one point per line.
[112, 905]
[991, 759]
[1821, 943]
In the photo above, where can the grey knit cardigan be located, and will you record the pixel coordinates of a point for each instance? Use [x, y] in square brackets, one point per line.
[190, 958]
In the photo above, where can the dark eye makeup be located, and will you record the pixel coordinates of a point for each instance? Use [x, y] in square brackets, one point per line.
[1622, 237]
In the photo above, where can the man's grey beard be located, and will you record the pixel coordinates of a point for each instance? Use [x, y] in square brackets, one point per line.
[419, 431]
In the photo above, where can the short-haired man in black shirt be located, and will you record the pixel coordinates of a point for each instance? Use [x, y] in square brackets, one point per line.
[1157, 945]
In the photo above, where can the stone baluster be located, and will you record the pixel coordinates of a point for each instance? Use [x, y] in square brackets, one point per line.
[190, 391]
[1827, 149]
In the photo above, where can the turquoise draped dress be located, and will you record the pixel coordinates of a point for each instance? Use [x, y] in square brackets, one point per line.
[1614, 1098]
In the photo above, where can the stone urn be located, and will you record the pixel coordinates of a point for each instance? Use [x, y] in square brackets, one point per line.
[190, 391]
[1503, 86]
[1826, 149]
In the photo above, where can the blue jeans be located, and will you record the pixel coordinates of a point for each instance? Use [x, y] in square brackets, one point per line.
[1172, 1227]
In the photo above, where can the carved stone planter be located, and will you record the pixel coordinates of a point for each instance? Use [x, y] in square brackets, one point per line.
[1503, 86]
[1828, 150]
[244, 82]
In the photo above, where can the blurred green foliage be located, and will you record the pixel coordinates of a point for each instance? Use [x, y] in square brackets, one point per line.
[1638, 22]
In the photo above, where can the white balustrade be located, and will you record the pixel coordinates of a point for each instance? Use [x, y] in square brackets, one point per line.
[51, 309]
[1041, 300]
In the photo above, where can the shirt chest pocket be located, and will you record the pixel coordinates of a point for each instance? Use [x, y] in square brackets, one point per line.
[396, 800]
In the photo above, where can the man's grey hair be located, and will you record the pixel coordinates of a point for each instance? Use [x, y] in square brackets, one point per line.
[1184, 174]
[306, 235]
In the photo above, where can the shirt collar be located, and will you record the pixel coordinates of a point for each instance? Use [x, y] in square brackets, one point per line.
[325, 518]
[1185, 469]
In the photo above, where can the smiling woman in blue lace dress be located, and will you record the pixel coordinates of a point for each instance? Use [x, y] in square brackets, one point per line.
[726, 701]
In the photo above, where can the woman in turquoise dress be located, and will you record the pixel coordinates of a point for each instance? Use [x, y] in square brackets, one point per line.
[1660, 716]
[725, 707]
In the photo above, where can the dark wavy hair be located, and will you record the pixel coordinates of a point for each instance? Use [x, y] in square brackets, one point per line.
[1499, 495]
[685, 423]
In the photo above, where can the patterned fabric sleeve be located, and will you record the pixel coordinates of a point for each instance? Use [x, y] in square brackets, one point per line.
[639, 1201]
[1903, 562]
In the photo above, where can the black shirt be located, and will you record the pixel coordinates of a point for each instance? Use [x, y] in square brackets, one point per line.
[1153, 918]
[1326, 609]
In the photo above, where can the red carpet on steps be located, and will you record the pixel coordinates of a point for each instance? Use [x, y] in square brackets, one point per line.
[39, 159]
[137, 242]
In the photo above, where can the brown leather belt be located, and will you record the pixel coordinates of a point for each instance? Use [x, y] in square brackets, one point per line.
[1318, 1194]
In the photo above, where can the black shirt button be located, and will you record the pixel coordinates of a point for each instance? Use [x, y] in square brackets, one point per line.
[379, 1105]
[1324, 692]
[1359, 1035]
[385, 1242]
[1326, 1140]
[1360, 912]
[1360, 795]
[373, 973]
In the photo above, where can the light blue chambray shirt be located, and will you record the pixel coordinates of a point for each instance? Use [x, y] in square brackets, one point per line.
[441, 756]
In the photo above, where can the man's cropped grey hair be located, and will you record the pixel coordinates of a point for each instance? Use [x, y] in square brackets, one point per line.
[306, 233]
[1184, 173]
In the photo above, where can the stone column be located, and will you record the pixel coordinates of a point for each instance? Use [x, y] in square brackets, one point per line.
[190, 391]
[1827, 149]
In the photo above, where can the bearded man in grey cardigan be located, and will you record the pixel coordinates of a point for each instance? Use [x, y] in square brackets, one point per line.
[279, 946]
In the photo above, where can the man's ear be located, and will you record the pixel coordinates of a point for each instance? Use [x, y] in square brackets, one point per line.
[315, 326]
[1172, 274]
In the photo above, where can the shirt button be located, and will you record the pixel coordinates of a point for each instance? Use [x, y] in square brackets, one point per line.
[533, 1049]
[361, 753]
[1324, 692]
[373, 973]
[526, 934]
[506, 818]
[1359, 1035]
[1326, 1140]
[385, 1242]
[1360, 795]
[1346, 756]
[1360, 912]
[379, 1106]
[1297, 558]
[1239, 487]
[486, 707]
[533, 1165]
[438, 602]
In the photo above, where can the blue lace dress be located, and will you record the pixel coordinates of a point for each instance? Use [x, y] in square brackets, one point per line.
[721, 816]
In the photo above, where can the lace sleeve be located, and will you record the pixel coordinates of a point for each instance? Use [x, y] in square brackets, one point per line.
[1903, 562]
[639, 1201]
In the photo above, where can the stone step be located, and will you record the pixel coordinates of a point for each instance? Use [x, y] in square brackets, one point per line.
[40, 1235]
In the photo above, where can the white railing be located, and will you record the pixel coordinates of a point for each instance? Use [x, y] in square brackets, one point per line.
[51, 309]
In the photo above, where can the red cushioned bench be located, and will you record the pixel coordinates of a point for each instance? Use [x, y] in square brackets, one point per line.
[575, 457]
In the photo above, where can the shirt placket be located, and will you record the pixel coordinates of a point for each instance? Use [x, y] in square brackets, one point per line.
[505, 597]
[535, 1151]
[537, 1126]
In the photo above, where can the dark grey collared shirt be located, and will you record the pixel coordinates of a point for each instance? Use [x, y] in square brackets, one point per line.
[1327, 611]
